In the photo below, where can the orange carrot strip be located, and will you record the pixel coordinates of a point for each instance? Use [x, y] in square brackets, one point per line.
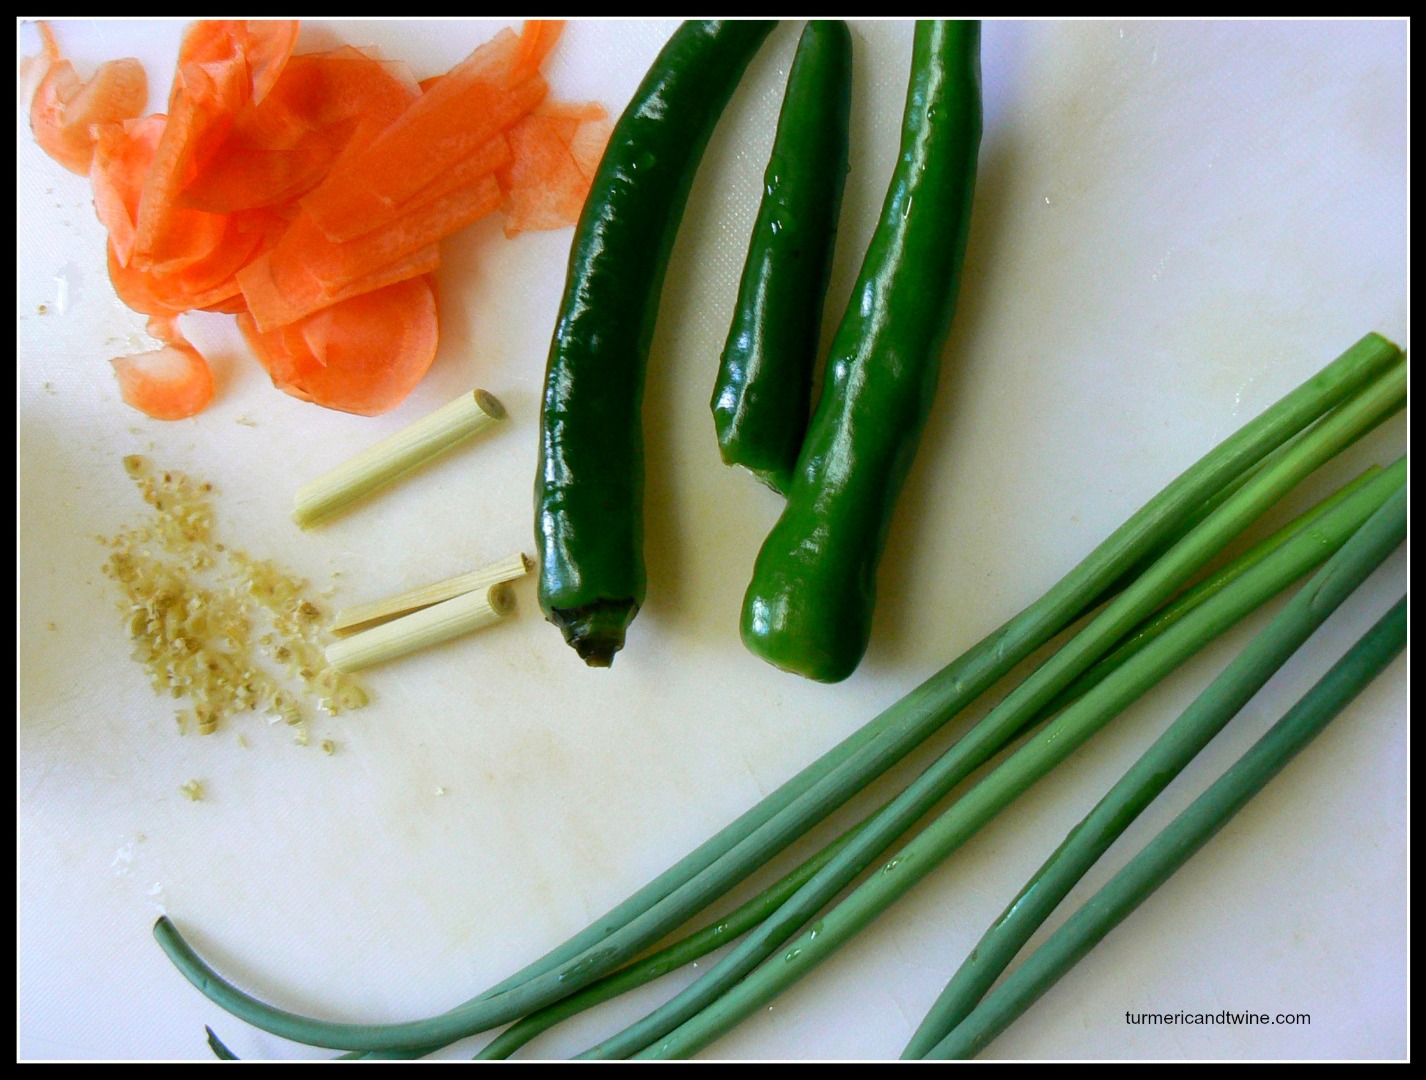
[65, 108]
[122, 155]
[546, 184]
[268, 45]
[222, 66]
[486, 159]
[338, 265]
[278, 295]
[281, 148]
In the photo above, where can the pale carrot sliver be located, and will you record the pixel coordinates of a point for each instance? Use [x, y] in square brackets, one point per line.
[279, 149]
[170, 383]
[537, 40]
[268, 45]
[336, 266]
[276, 299]
[222, 67]
[485, 160]
[122, 154]
[549, 176]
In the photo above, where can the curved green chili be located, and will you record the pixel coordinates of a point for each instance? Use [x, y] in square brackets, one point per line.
[808, 608]
[764, 388]
[589, 489]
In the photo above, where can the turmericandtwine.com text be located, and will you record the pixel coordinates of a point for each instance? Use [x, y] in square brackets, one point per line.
[1222, 1017]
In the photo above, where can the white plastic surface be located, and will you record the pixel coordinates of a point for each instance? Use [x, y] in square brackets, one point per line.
[1175, 224]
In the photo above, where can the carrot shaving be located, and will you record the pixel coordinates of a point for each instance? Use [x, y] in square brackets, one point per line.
[461, 112]
[279, 295]
[280, 148]
[555, 151]
[537, 40]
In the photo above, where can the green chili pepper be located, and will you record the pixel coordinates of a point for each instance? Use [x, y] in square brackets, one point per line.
[760, 401]
[808, 608]
[589, 489]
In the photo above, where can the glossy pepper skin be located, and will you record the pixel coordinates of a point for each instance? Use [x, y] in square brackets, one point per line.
[764, 388]
[589, 488]
[808, 608]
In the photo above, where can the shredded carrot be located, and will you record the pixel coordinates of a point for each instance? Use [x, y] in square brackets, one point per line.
[460, 113]
[307, 195]
[280, 148]
[537, 41]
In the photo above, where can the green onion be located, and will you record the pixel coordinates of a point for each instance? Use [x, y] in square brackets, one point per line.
[1046, 749]
[1168, 756]
[221, 1052]
[1180, 840]
[708, 872]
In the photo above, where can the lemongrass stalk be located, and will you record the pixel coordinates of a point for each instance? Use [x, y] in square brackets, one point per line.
[361, 616]
[1177, 843]
[781, 817]
[982, 802]
[1163, 761]
[393, 456]
[432, 625]
[1339, 429]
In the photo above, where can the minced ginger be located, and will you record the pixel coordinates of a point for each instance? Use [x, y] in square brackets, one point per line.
[213, 626]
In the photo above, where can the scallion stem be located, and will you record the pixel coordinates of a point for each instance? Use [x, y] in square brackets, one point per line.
[1163, 761]
[1173, 847]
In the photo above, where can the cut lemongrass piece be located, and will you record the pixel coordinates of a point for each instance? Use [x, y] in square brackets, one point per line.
[394, 455]
[421, 629]
[361, 616]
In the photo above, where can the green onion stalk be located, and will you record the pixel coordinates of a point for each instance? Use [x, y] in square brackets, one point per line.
[1173, 847]
[1163, 761]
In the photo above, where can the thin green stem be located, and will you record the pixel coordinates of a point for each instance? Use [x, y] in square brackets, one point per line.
[1172, 612]
[1163, 761]
[685, 950]
[1173, 847]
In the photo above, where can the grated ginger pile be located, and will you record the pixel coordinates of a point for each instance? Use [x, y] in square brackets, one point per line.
[224, 631]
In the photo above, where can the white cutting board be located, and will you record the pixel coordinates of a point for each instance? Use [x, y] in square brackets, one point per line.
[1174, 225]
